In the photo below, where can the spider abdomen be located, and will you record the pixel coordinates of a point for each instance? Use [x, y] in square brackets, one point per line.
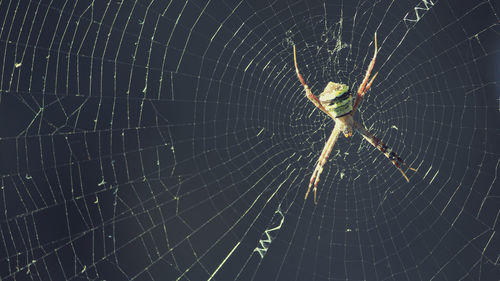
[337, 99]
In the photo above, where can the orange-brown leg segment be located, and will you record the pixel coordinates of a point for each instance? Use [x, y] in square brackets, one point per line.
[309, 94]
[327, 149]
[376, 142]
[363, 88]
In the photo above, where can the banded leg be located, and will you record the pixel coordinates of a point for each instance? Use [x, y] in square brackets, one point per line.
[363, 88]
[327, 149]
[376, 142]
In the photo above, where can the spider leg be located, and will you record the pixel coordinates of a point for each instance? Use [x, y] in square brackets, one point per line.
[376, 142]
[309, 94]
[363, 88]
[327, 149]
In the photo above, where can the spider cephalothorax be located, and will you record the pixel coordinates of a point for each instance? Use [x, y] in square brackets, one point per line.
[336, 102]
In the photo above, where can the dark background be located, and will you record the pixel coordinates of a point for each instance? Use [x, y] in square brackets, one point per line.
[171, 140]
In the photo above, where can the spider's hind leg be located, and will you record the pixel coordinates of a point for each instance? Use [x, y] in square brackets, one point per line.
[391, 155]
[327, 149]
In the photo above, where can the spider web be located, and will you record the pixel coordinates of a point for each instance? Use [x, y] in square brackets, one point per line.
[171, 140]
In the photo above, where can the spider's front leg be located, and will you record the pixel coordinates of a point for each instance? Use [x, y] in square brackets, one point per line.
[376, 142]
[363, 88]
[322, 160]
[309, 94]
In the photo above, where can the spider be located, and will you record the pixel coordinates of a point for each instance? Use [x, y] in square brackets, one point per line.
[336, 102]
